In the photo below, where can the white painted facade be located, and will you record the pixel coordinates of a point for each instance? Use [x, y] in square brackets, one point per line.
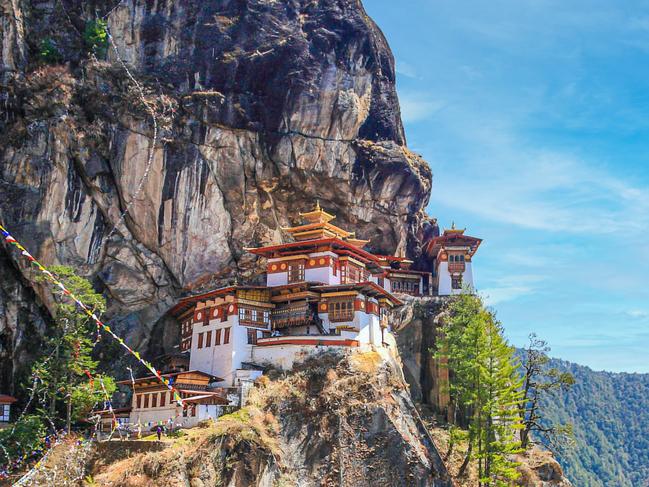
[222, 359]
[445, 283]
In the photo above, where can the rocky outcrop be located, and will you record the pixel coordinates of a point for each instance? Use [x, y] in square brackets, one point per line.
[331, 421]
[416, 326]
[260, 107]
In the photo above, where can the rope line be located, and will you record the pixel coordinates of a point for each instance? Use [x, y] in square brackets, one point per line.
[11, 240]
[154, 119]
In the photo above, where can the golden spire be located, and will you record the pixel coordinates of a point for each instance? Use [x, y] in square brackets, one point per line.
[454, 229]
[317, 215]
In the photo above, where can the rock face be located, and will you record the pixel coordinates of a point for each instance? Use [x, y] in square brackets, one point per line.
[416, 326]
[329, 422]
[258, 108]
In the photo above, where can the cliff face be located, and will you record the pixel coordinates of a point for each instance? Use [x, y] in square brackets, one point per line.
[329, 422]
[261, 108]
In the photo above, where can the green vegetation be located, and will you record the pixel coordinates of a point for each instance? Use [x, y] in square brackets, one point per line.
[21, 439]
[48, 52]
[64, 371]
[95, 36]
[485, 387]
[610, 417]
[539, 380]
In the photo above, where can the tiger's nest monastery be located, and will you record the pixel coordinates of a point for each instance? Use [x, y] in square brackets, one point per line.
[323, 291]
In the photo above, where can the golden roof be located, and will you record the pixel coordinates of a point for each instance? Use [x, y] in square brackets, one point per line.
[454, 230]
[317, 226]
[317, 215]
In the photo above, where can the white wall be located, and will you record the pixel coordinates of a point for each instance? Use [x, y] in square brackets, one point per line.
[276, 279]
[215, 359]
[444, 280]
[445, 285]
[284, 356]
[319, 274]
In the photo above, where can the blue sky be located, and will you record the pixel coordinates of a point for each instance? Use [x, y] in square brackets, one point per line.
[534, 116]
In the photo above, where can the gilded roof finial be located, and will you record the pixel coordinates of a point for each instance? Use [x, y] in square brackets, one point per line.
[453, 226]
[317, 205]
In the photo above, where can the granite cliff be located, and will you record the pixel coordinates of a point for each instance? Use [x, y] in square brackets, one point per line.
[257, 108]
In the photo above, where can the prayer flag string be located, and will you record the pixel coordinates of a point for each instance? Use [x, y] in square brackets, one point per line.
[52, 278]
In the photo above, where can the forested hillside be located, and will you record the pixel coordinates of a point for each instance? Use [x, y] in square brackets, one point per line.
[610, 414]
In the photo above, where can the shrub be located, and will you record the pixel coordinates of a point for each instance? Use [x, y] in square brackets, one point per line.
[23, 438]
[48, 52]
[95, 37]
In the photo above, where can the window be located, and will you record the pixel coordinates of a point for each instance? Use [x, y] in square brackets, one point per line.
[252, 337]
[200, 340]
[381, 282]
[341, 311]
[456, 282]
[163, 396]
[171, 397]
[291, 315]
[4, 412]
[226, 335]
[217, 337]
[154, 400]
[253, 316]
[296, 272]
[350, 273]
[138, 398]
[208, 339]
[146, 401]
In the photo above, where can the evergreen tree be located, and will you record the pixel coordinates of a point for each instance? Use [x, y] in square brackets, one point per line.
[67, 370]
[539, 381]
[484, 386]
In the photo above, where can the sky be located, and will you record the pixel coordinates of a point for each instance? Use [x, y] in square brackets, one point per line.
[534, 117]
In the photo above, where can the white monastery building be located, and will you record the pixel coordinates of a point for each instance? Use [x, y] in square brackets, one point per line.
[323, 290]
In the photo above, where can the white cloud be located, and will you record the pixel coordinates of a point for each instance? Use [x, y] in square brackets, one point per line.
[496, 295]
[510, 287]
[637, 314]
[505, 181]
[416, 107]
[406, 69]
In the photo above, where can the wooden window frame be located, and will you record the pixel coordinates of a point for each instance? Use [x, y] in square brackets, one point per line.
[146, 401]
[252, 336]
[295, 272]
[226, 335]
[456, 282]
[138, 401]
[208, 339]
[341, 310]
[199, 345]
[217, 337]
[154, 400]
[163, 397]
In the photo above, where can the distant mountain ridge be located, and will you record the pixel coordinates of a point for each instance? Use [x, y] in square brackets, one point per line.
[610, 414]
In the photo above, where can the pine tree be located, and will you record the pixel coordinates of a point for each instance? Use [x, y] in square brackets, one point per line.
[484, 387]
[67, 370]
[538, 381]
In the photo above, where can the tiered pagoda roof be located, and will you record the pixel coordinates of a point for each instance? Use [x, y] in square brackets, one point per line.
[453, 237]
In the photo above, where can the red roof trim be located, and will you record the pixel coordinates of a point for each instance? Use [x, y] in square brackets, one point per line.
[264, 250]
[360, 285]
[189, 300]
[345, 342]
[7, 399]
